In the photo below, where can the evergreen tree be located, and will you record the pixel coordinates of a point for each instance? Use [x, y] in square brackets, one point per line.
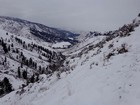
[1, 91]
[9, 48]
[43, 70]
[5, 60]
[17, 51]
[24, 74]
[19, 73]
[7, 86]
[4, 47]
[32, 79]
[21, 65]
[12, 45]
[40, 68]
[139, 15]
[21, 54]
[30, 61]
[37, 77]
[27, 62]
[35, 65]
[17, 57]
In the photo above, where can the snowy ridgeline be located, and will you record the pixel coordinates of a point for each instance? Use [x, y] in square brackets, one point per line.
[102, 70]
[36, 31]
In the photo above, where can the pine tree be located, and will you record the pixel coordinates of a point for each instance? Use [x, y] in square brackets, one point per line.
[27, 62]
[40, 68]
[21, 65]
[21, 54]
[1, 91]
[17, 51]
[32, 79]
[17, 57]
[9, 48]
[37, 77]
[12, 45]
[30, 61]
[139, 15]
[58, 75]
[24, 74]
[7, 85]
[19, 73]
[4, 47]
[43, 70]
[35, 65]
[1, 88]
[5, 60]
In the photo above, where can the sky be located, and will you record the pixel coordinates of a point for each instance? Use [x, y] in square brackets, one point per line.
[82, 15]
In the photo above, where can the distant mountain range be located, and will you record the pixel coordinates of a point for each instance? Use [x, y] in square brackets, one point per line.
[22, 27]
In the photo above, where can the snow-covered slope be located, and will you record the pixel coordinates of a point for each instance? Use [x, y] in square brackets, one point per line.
[102, 70]
[26, 51]
[33, 30]
[20, 54]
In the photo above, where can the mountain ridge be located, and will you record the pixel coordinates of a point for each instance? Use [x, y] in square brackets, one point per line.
[16, 26]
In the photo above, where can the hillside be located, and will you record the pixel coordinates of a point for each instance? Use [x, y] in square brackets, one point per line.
[102, 69]
[22, 60]
[36, 31]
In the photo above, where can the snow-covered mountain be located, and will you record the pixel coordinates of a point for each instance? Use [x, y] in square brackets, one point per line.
[31, 30]
[102, 69]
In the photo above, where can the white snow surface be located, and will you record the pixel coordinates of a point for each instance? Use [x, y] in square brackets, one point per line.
[93, 80]
[10, 70]
[61, 45]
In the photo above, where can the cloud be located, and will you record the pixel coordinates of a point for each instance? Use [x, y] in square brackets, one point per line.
[100, 15]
